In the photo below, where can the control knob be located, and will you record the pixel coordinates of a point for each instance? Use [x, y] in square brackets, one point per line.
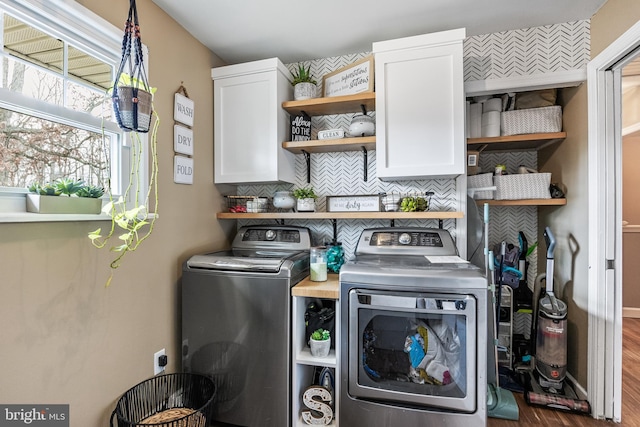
[404, 239]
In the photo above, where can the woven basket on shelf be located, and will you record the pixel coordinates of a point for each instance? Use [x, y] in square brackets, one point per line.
[532, 120]
[522, 186]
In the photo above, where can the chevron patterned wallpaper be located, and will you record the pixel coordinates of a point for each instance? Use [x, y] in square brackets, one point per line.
[520, 52]
[535, 50]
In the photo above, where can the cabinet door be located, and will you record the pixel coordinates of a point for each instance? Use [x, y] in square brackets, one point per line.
[249, 127]
[420, 112]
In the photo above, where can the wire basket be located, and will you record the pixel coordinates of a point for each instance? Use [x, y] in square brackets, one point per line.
[172, 400]
[249, 204]
[417, 201]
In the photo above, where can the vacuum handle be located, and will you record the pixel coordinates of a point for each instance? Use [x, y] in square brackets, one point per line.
[550, 239]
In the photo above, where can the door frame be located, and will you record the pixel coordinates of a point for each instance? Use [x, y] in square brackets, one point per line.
[605, 227]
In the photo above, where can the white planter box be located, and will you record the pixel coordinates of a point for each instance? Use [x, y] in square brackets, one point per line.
[63, 204]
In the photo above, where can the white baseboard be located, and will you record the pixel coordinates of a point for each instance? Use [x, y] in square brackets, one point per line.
[631, 312]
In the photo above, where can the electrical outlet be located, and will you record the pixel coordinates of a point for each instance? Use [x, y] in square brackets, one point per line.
[157, 367]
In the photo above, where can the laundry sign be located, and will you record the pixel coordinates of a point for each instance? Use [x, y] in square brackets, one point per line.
[183, 109]
[182, 140]
[182, 170]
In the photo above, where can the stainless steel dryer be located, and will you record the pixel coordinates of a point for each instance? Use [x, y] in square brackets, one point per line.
[236, 322]
[413, 320]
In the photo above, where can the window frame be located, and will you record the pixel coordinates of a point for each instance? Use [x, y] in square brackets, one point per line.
[77, 26]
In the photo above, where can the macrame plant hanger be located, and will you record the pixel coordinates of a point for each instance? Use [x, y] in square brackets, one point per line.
[131, 92]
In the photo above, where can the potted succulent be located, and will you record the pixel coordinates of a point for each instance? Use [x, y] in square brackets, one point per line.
[320, 343]
[64, 196]
[304, 86]
[306, 199]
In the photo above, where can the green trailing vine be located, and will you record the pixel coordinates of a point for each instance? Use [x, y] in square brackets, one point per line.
[131, 222]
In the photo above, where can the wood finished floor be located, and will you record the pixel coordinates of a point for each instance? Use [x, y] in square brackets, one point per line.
[537, 416]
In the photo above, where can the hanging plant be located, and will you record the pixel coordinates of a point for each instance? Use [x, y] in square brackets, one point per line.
[133, 107]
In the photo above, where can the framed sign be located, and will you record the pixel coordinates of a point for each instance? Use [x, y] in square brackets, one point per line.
[353, 203]
[182, 170]
[300, 127]
[182, 140]
[183, 110]
[354, 78]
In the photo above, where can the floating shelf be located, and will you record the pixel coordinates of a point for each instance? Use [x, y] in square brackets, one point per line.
[534, 141]
[332, 105]
[524, 202]
[331, 145]
[341, 215]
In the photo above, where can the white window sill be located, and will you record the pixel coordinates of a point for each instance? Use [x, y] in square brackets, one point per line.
[36, 217]
[12, 210]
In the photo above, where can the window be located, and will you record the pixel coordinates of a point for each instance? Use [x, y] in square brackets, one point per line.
[58, 61]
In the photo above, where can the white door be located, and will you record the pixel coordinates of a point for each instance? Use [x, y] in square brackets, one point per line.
[605, 225]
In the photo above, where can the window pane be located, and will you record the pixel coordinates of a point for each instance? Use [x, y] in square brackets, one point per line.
[88, 69]
[37, 150]
[25, 42]
[32, 81]
[88, 100]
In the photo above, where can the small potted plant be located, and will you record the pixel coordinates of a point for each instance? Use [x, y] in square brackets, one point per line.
[320, 343]
[306, 199]
[304, 86]
[64, 196]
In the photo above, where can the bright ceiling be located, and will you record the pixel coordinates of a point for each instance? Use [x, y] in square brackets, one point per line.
[293, 30]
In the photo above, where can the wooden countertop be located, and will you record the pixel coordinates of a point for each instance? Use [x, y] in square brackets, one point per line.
[329, 289]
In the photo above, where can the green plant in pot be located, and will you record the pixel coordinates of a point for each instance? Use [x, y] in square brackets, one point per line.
[320, 343]
[64, 196]
[304, 86]
[306, 199]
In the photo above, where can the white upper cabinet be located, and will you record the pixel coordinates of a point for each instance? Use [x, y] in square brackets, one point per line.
[250, 124]
[420, 106]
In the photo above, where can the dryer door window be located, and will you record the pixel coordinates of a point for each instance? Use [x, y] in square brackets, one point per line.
[414, 348]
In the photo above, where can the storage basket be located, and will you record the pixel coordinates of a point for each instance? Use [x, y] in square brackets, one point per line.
[249, 204]
[522, 186]
[532, 120]
[482, 180]
[172, 400]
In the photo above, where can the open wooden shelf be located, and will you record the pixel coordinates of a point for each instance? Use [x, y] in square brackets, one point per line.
[533, 141]
[331, 145]
[524, 202]
[332, 105]
[341, 215]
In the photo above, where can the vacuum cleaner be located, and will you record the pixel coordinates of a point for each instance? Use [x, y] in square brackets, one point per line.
[547, 385]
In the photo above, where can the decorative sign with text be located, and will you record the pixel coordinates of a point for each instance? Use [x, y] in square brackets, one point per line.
[182, 170]
[300, 128]
[183, 109]
[182, 140]
[354, 78]
[353, 203]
